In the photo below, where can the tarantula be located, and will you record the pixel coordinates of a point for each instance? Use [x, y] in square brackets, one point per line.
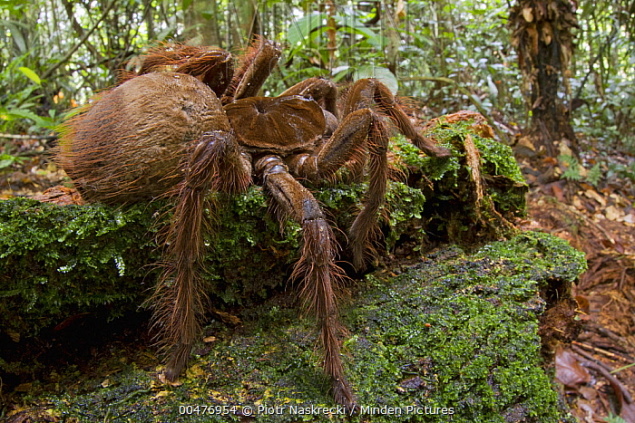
[182, 126]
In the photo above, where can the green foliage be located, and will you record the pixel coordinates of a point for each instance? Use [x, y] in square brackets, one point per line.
[17, 106]
[357, 46]
[48, 48]
[6, 160]
[30, 74]
[573, 171]
[618, 170]
[604, 73]
[594, 175]
[612, 418]
[440, 46]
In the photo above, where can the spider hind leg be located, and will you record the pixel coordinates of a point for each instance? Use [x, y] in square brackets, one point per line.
[316, 268]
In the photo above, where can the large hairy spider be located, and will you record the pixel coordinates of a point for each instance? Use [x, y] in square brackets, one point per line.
[182, 126]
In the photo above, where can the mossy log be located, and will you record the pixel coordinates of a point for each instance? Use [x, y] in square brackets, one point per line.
[60, 262]
[452, 337]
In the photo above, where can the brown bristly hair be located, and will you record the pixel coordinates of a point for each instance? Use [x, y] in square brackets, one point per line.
[252, 60]
[179, 299]
[321, 280]
[213, 66]
[364, 232]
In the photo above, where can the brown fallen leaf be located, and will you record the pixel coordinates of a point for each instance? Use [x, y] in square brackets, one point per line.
[227, 318]
[569, 372]
[60, 195]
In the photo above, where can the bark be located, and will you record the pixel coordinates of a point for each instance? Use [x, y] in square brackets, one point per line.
[200, 28]
[542, 35]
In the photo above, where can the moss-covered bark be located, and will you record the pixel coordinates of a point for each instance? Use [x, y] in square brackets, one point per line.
[452, 335]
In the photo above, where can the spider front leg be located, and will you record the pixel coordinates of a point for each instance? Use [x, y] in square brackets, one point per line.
[364, 128]
[215, 163]
[316, 267]
[361, 131]
[212, 66]
[372, 93]
[257, 64]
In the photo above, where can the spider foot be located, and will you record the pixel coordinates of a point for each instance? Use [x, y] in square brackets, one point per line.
[177, 362]
[343, 395]
[430, 147]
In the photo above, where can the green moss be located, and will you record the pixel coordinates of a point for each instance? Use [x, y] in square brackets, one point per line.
[553, 258]
[249, 252]
[461, 332]
[454, 333]
[497, 159]
[59, 261]
[451, 211]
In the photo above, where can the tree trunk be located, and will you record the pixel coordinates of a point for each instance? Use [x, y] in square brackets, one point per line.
[542, 36]
[201, 24]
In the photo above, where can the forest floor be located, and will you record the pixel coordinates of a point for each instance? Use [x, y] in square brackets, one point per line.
[596, 372]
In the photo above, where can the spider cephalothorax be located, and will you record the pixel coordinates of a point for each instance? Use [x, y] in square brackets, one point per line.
[182, 126]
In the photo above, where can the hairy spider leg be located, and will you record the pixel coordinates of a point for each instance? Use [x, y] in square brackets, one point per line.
[257, 64]
[216, 164]
[321, 90]
[359, 132]
[212, 66]
[317, 270]
[363, 129]
[371, 92]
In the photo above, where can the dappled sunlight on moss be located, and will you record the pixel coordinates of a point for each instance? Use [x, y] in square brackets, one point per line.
[453, 332]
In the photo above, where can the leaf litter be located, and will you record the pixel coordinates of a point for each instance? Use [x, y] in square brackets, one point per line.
[597, 370]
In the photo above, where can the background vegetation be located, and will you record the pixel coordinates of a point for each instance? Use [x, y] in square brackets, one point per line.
[448, 55]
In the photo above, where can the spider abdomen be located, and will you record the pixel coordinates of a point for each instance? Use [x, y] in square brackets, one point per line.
[131, 142]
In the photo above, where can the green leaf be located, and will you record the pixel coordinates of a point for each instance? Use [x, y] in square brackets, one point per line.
[6, 160]
[572, 171]
[186, 4]
[594, 175]
[349, 24]
[384, 75]
[40, 121]
[302, 28]
[16, 34]
[30, 74]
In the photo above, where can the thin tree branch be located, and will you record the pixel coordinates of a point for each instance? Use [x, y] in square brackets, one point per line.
[68, 55]
[603, 47]
[78, 28]
[477, 103]
[28, 137]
